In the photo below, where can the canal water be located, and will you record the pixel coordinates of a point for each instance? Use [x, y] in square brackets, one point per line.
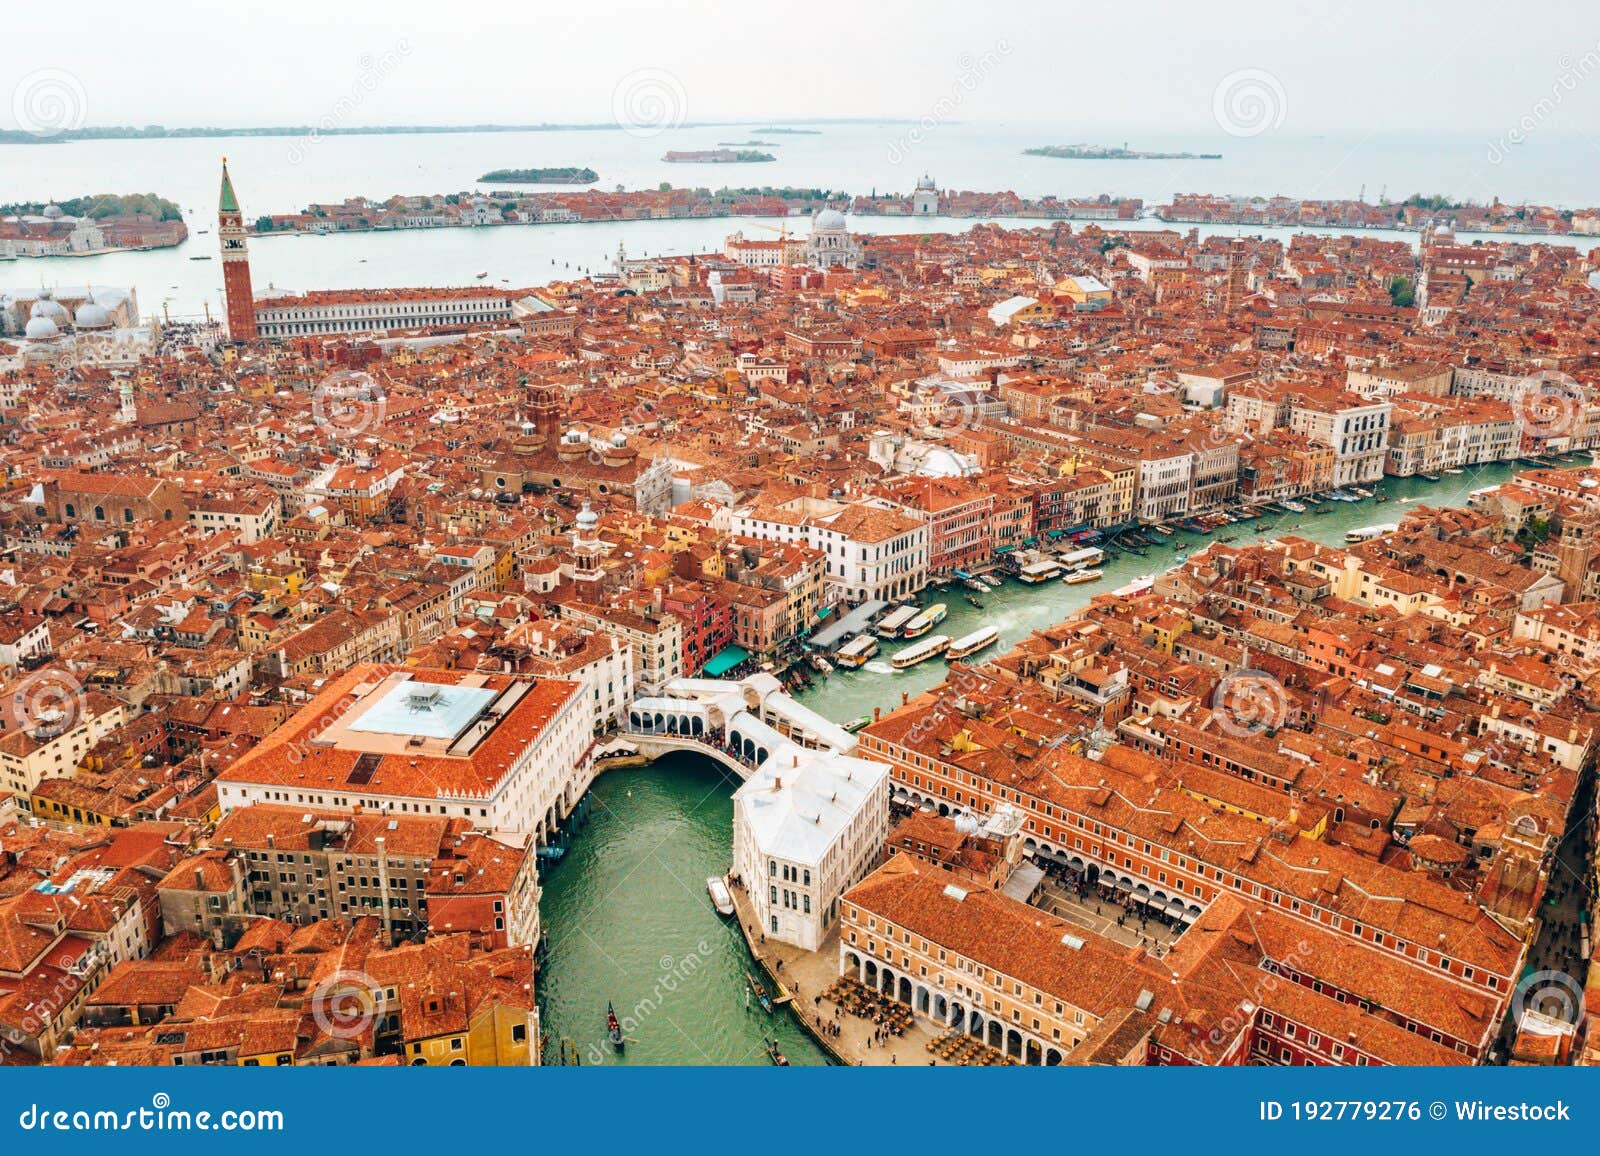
[626, 909]
[629, 921]
[1019, 610]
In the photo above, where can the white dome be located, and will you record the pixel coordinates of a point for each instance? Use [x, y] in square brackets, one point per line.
[926, 183]
[41, 329]
[53, 212]
[50, 309]
[829, 219]
[93, 315]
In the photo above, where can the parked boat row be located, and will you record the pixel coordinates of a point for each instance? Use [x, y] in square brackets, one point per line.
[924, 621]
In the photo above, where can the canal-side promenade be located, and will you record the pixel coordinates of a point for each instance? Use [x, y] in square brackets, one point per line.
[801, 978]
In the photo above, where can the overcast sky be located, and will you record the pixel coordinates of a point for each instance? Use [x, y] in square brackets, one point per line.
[1469, 67]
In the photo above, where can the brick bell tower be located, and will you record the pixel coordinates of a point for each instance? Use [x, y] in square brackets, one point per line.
[235, 263]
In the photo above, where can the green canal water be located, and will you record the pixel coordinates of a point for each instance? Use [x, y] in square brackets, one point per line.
[630, 921]
[627, 912]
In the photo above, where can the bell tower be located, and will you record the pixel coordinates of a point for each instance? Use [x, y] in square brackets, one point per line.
[235, 263]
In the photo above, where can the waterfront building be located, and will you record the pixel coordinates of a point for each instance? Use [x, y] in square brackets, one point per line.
[511, 754]
[808, 824]
[873, 550]
[830, 245]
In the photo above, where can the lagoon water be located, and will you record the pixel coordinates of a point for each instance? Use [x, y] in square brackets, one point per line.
[284, 174]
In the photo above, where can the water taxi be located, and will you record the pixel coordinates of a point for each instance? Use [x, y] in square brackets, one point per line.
[1293, 506]
[890, 624]
[717, 888]
[974, 585]
[1140, 585]
[930, 647]
[1367, 533]
[1079, 577]
[1041, 571]
[921, 623]
[856, 652]
[820, 663]
[855, 724]
[974, 642]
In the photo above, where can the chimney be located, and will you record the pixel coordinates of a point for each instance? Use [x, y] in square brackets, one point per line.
[777, 782]
[877, 713]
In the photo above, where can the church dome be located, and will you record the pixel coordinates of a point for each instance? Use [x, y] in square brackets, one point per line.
[48, 308]
[925, 184]
[41, 329]
[829, 219]
[92, 315]
[53, 212]
[587, 518]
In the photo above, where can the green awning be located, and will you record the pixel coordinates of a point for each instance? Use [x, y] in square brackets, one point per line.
[824, 612]
[1030, 541]
[726, 659]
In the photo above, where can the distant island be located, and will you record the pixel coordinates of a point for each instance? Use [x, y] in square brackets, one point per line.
[1083, 152]
[742, 143]
[789, 131]
[717, 157]
[100, 206]
[553, 176]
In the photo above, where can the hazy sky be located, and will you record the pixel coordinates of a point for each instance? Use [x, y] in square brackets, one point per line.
[1470, 67]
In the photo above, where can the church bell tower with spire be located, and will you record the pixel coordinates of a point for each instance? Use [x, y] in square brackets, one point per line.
[235, 263]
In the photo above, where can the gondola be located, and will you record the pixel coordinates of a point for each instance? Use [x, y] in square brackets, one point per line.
[614, 1029]
[761, 991]
[773, 1054]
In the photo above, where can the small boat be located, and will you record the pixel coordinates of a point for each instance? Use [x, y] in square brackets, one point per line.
[717, 888]
[201, 257]
[481, 274]
[1429, 477]
[974, 642]
[773, 1054]
[857, 723]
[890, 625]
[930, 647]
[925, 621]
[856, 652]
[1293, 506]
[1164, 531]
[1140, 585]
[972, 600]
[1078, 577]
[614, 1029]
[1381, 498]
[974, 585]
[1452, 470]
[821, 664]
[760, 991]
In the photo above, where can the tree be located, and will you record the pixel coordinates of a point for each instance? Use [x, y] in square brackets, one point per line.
[1402, 293]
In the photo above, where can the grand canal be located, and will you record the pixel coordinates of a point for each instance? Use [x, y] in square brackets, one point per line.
[626, 909]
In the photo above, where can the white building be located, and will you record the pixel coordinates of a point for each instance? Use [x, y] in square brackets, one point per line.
[379, 310]
[807, 826]
[925, 201]
[512, 754]
[1356, 428]
[830, 245]
[873, 551]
